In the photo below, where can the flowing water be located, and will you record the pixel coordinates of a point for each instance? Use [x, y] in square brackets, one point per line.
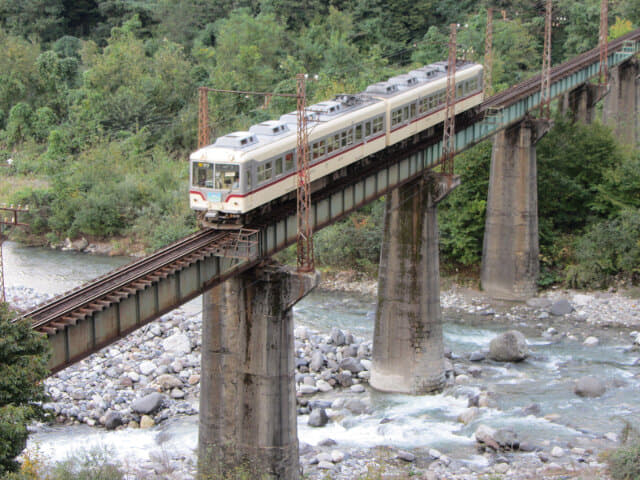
[417, 422]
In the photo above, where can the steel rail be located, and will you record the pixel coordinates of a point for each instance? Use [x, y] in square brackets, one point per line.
[531, 85]
[121, 277]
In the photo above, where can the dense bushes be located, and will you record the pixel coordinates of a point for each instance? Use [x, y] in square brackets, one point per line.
[23, 361]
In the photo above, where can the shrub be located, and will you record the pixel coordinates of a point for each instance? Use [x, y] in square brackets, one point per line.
[624, 462]
[23, 366]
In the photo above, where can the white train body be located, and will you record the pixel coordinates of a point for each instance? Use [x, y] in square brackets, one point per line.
[242, 171]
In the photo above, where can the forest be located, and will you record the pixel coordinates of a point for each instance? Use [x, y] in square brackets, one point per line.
[98, 114]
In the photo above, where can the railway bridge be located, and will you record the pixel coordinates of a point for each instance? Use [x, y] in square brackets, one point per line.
[247, 404]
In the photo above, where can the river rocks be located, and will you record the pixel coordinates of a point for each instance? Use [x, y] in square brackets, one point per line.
[589, 387]
[337, 337]
[148, 404]
[351, 364]
[510, 346]
[561, 307]
[468, 415]
[317, 361]
[177, 344]
[147, 367]
[318, 418]
[557, 451]
[591, 342]
[406, 456]
[146, 422]
[112, 420]
[355, 406]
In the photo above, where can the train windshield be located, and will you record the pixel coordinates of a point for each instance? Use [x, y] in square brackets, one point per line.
[219, 176]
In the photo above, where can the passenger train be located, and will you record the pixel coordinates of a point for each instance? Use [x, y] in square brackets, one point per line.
[244, 172]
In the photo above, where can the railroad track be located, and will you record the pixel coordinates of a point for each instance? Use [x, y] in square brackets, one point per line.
[532, 85]
[98, 294]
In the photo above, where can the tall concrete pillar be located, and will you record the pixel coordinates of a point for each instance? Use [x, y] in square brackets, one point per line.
[510, 249]
[621, 104]
[579, 104]
[248, 421]
[407, 344]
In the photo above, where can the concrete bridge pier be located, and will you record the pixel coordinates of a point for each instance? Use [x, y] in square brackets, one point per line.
[408, 353]
[248, 422]
[621, 104]
[580, 102]
[510, 249]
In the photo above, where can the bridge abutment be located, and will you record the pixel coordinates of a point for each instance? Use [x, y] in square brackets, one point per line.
[248, 421]
[621, 104]
[408, 352]
[510, 265]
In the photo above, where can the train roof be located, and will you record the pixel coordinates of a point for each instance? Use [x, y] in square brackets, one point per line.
[273, 130]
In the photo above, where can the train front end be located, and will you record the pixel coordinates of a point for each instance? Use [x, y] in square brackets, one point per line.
[216, 191]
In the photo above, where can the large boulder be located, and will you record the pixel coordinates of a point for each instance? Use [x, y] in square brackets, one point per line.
[561, 307]
[317, 361]
[589, 387]
[148, 404]
[509, 346]
[318, 418]
[351, 364]
[112, 420]
[178, 343]
[337, 337]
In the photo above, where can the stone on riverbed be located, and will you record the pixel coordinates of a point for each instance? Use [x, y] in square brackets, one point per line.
[112, 420]
[167, 382]
[351, 364]
[589, 387]
[318, 418]
[177, 343]
[561, 307]
[148, 404]
[510, 346]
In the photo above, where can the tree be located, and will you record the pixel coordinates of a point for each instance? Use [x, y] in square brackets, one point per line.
[23, 366]
[461, 215]
[125, 89]
[29, 18]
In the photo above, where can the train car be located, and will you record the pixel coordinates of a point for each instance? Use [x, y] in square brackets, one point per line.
[246, 171]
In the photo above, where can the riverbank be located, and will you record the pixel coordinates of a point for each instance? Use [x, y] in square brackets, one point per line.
[158, 367]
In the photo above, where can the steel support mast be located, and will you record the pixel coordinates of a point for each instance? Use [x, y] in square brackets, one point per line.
[603, 78]
[488, 55]
[545, 83]
[449, 135]
[306, 261]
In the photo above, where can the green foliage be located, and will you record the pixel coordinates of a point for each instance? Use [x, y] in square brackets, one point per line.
[93, 464]
[608, 249]
[572, 161]
[624, 462]
[23, 366]
[461, 216]
[353, 243]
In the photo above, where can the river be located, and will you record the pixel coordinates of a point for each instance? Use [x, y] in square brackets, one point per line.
[422, 422]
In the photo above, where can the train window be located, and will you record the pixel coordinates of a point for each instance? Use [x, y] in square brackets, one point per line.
[459, 91]
[378, 124]
[367, 129]
[202, 174]
[226, 177]
[318, 149]
[278, 169]
[423, 105]
[358, 133]
[265, 171]
[396, 117]
[343, 139]
[412, 110]
[350, 137]
[249, 175]
[288, 162]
